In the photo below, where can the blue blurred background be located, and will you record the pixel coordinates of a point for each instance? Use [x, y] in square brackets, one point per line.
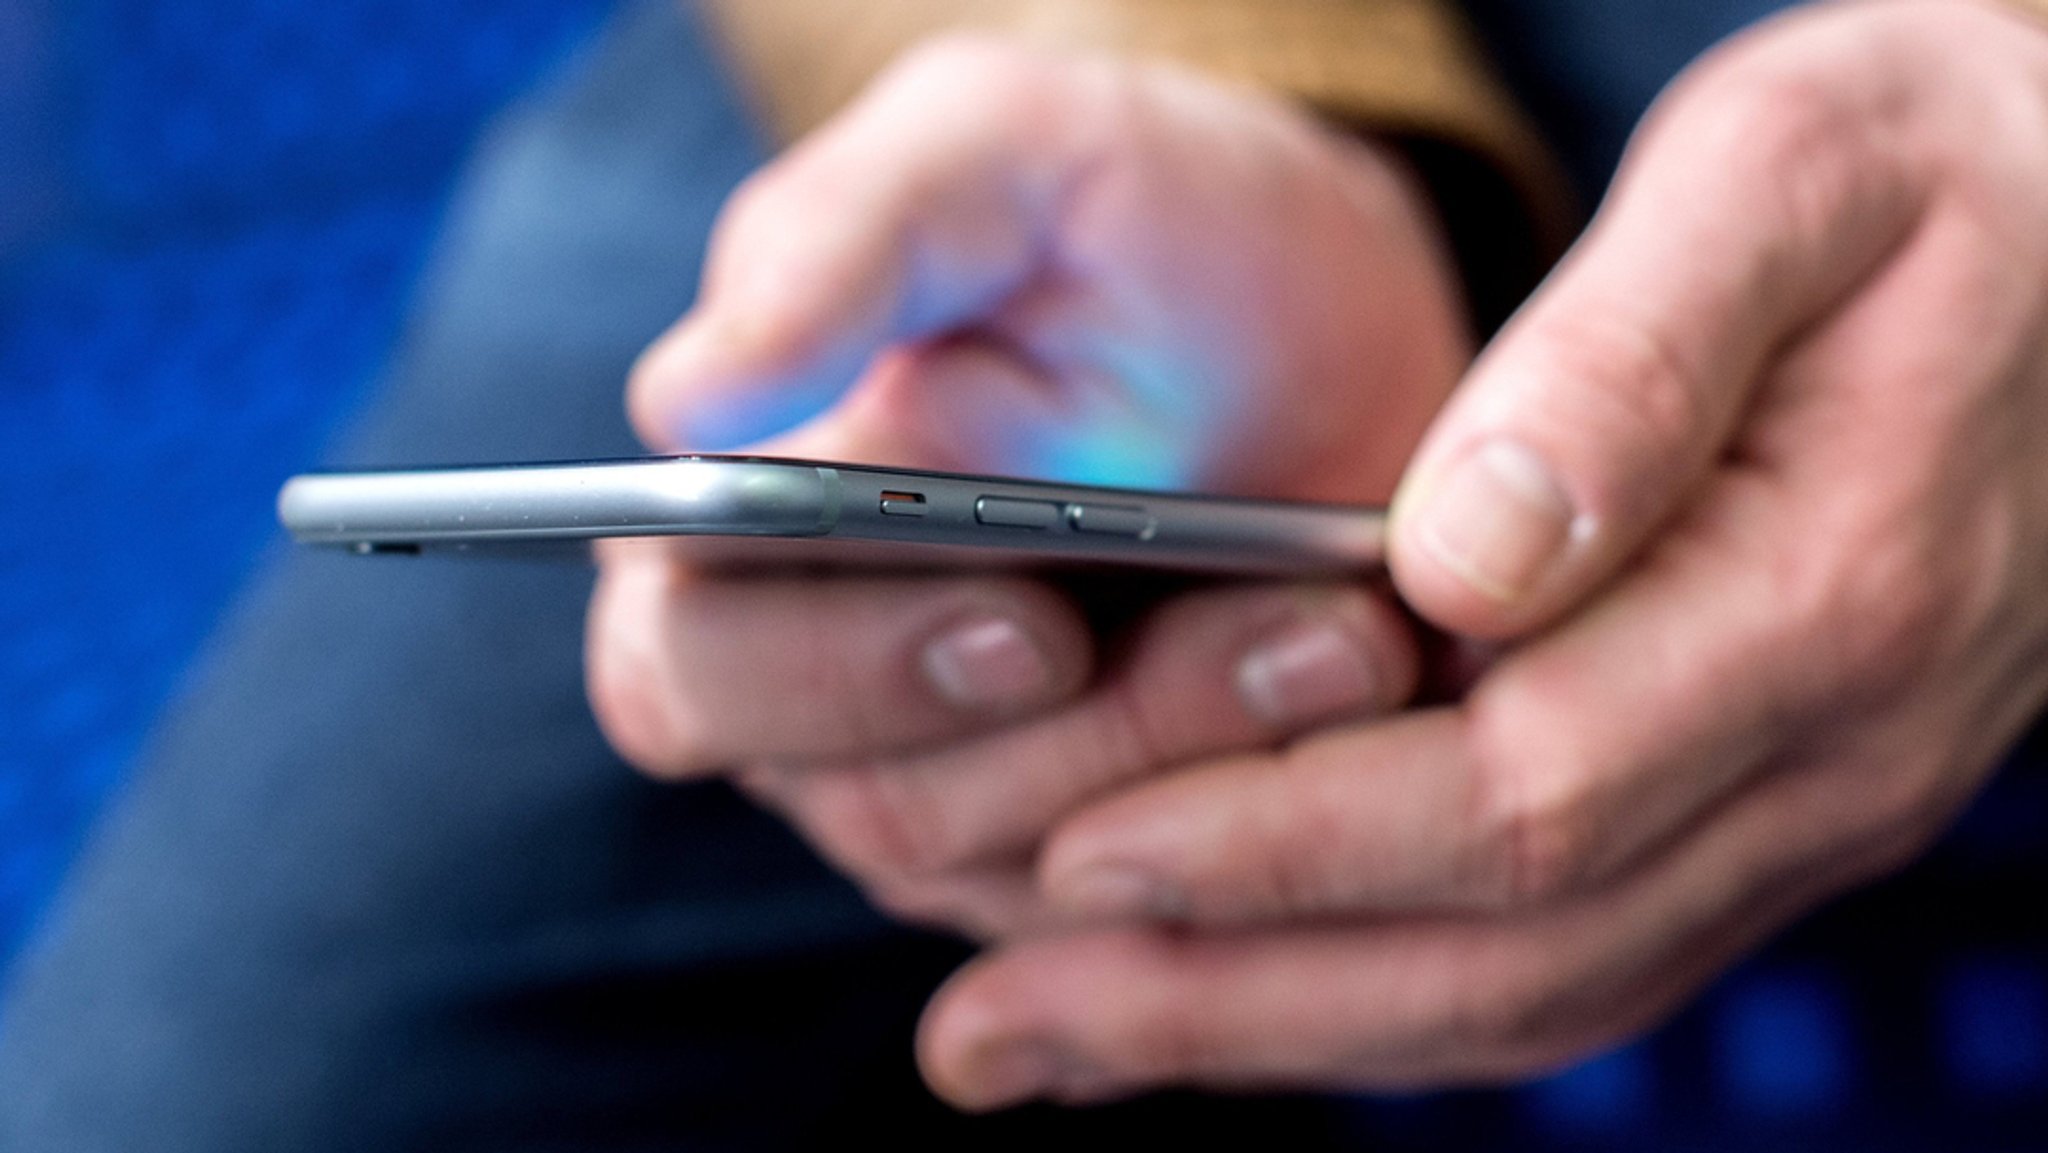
[211, 212]
[210, 215]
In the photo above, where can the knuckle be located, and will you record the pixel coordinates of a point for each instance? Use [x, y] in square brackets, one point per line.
[1612, 379]
[1304, 849]
[1792, 140]
[1121, 740]
[1532, 808]
[1544, 843]
[1779, 114]
[1773, 96]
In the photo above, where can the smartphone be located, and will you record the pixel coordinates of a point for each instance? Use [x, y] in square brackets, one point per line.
[733, 511]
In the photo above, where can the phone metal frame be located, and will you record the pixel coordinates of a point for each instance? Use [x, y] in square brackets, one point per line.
[751, 510]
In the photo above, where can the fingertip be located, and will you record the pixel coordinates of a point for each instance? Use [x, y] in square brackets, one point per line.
[1482, 544]
[660, 378]
[960, 1044]
[981, 1045]
[712, 385]
[1440, 595]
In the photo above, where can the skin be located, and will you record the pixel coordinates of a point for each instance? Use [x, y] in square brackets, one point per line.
[1758, 529]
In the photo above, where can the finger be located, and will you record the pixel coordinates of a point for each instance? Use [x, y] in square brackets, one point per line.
[689, 672]
[1398, 1004]
[972, 403]
[915, 211]
[988, 902]
[981, 403]
[1569, 761]
[1365, 817]
[1213, 670]
[1752, 202]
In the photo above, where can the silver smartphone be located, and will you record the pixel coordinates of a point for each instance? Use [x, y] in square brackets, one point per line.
[753, 511]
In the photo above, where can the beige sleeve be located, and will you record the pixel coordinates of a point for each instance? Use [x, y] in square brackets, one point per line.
[1407, 69]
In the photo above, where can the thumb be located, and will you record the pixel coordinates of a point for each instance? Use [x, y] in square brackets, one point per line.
[1748, 206]
[917, 211]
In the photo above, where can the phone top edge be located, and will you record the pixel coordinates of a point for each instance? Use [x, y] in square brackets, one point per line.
[884, 516]
[663, 496]
[800, 462]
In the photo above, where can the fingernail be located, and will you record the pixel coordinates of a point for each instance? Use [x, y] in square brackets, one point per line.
[989, 663]
[1309, 672]
[1498, 520]
[1120, 891]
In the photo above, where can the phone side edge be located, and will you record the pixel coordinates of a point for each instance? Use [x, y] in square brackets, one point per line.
[668, 497]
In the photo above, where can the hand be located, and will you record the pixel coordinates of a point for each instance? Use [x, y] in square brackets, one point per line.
[1756, 479]
[1085, 268]
[1027, 263]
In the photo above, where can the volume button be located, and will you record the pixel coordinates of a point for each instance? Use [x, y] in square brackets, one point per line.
[1112, 520]
[1003, 512]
